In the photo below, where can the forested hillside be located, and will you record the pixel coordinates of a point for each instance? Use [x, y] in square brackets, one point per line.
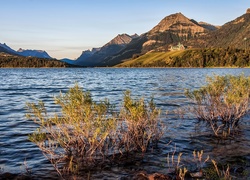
[207, 57]
[9, 61]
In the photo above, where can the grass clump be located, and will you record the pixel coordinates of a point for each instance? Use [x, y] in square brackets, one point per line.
[198, 167]
[222, 102]
[86, 134]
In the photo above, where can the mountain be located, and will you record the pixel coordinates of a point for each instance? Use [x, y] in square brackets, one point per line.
[170, 30]
[26, 53]
[121, 39]
[97, 55]
[177, 28]
[208, 26]
[68, 61]
[85, 58]
[223, 46]
[33, 53]
[235, 34]
[6, 49]
[178, 23]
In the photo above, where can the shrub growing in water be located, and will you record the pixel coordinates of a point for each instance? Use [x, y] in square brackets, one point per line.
[86, 133]
[222, 102]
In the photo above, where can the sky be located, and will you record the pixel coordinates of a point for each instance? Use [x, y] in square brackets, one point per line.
[65, 28]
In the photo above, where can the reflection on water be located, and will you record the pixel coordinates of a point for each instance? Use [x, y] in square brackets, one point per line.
[19, 86]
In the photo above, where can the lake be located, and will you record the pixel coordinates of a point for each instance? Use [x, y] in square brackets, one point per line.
[18, 86]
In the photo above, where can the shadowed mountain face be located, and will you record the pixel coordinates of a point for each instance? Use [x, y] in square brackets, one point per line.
[6, 49]
[207, 26]
[26, 53]
[33, 53]
[97, 55]
[233, 34]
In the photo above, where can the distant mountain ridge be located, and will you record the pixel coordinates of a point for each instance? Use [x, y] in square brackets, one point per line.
[6, 49]
[22, 52]
[34, 53]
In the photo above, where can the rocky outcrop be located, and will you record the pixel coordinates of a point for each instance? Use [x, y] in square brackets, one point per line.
[248, 11]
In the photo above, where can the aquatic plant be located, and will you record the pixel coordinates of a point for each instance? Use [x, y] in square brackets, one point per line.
[204, 167]
[222, 102]
[86, 134]
[222, 174]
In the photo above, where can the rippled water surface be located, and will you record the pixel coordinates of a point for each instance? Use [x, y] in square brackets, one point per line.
[18, 86]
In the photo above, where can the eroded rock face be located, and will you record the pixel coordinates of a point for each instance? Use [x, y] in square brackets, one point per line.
[248, 11]
[178, 23]
[120, 39]
[173, 29]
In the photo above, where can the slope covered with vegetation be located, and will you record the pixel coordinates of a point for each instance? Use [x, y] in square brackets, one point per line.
[209, 57]
[10, 61]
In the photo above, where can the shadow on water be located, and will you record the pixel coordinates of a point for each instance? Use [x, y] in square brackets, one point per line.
[166, 85]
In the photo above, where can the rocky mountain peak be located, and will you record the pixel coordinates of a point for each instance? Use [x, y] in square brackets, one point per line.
[20, 50]
[120, 39]
[134, 36]
[170, 22]
[173, 29]
[8, 49]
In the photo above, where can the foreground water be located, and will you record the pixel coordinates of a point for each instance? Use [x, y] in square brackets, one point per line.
[18, 86]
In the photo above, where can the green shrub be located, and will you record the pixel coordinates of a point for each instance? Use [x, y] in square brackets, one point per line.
[141, 126]
[86, 133]
[222, 102]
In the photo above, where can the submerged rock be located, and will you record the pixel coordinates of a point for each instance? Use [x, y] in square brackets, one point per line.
[10, 176]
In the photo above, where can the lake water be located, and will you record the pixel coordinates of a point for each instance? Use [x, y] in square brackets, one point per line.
[18, 86]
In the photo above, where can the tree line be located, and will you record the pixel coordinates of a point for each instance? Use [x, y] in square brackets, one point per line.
[212, 57]
[29, 62]
[204, 57]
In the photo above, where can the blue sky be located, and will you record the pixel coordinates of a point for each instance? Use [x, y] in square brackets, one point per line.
[64, 28]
